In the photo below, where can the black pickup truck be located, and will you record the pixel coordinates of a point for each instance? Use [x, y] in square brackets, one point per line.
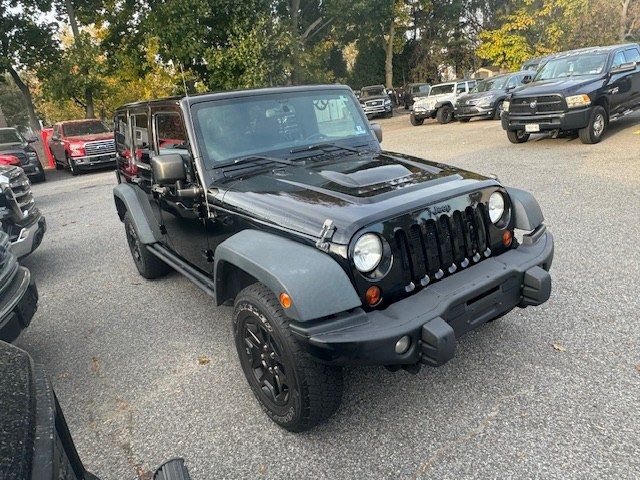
[333, 252]
[579, 90]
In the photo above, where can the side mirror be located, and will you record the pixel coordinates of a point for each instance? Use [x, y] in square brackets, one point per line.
[625, 67]
[55, 138]
[527, 79]
[377, 130]
[168, 169]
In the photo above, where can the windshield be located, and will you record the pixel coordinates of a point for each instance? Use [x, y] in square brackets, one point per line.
[440, 89]
[77, 129]
[573, 66]
[491, 84]
[10, 136]
[254, 125]
[373, 92]
[420, 89]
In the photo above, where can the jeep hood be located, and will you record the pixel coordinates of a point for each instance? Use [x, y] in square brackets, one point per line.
[354, 191]
[567, 85]
[437, 98]
[373, 97]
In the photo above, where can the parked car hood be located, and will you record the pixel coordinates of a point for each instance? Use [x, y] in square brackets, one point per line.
[354, 191]
[373, 97]
[435, 98]
[475, 95]
[567, 85]
[91, 138]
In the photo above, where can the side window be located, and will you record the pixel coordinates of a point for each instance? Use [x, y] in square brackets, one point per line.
[122, 136]
[141, 136]
[460, 88]
[424, 88]
[471, 85]
[56, 129]
[170, 132]
[618, 60]
[632, 55]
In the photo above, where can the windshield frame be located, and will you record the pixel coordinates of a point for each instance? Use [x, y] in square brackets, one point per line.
[208, 165]
[550, 61]
[436, 87]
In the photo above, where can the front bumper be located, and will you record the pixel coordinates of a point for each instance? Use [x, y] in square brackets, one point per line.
[29, 238]
[95, 161]
[434, 317]
[421, 113]
[376, 110]
[571, 120]
[18, 304]
[474, 111]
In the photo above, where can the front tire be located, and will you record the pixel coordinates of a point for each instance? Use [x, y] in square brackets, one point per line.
[517, 136]
[72, 166]
[148, 265]
[444, 115]
[295, 391]
[594, 131]
[497, 113]
[415, 122]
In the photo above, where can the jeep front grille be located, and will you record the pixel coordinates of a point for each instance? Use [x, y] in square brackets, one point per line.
[536, 105]
[100, 147]
[431, 249]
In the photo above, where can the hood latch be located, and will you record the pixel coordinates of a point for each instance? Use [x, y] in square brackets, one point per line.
[325, 234]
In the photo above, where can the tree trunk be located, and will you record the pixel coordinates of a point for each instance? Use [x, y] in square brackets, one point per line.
[622, 29]
[28, 100]
[388, 50]
[294, 10]
[75, 29]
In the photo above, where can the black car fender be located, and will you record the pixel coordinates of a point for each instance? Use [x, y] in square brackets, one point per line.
[134, 200]
[317, 285]
[527, 211]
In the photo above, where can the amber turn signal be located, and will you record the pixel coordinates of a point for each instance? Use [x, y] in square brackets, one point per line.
[507, 238]
[285, 300]
[373, 295]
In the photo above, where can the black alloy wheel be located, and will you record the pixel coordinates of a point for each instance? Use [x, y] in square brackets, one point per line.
[148, 265]
[445, 114]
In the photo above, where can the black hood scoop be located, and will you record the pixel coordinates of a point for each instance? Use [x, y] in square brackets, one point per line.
[368, 177]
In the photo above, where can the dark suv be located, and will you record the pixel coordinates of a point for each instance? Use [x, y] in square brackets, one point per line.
[13, 144]
[375, 101]
[413, 91]
[580, 90]
[333, 252]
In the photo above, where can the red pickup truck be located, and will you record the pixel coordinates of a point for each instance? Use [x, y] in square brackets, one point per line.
[82, 145]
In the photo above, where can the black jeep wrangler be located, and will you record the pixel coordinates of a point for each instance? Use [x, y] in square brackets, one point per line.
[333, 252]
[580, 90]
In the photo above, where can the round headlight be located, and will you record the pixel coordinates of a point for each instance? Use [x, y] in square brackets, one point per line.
[367, 252]
[496, 206]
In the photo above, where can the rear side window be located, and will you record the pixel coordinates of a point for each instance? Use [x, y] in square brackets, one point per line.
[123, 136]
[140, 123]
[632, 55]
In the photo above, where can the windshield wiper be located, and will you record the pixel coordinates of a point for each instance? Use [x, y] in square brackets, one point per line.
[323, 147]
[253, 158]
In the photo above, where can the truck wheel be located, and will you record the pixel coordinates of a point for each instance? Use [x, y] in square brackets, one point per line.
[445, 114]
[147, 263]
[517, 136]
[389, 114]
[594, 131]
[497, 113]
[415, 122]
[294, 391]
[72, 166]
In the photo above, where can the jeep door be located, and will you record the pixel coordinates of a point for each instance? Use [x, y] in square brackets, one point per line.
[184, 219]
[56, 145]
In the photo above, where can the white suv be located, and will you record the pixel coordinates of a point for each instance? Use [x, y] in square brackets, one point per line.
[440, 102]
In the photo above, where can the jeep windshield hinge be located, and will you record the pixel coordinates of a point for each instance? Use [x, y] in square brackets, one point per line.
[325, 234]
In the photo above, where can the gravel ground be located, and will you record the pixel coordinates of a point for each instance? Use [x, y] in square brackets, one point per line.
[548, 392]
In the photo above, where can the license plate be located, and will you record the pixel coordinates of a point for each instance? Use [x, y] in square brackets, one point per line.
[532, 127]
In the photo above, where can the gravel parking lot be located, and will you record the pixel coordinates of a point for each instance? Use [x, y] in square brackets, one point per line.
[147, 370]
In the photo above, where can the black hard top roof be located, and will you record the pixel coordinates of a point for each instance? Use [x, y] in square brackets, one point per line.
[204, 97]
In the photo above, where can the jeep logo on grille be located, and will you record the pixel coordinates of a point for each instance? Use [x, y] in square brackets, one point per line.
[437, 209]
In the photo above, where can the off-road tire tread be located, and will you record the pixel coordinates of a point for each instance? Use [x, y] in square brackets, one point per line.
[321, 385]
[440, 115]
[152, 267]
[415, 122]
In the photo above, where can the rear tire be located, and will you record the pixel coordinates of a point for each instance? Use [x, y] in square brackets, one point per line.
[294, 390]
[463, 120]
[517, 136]
[148, 265]
[444, 115]
[415, 122]
[594, 131]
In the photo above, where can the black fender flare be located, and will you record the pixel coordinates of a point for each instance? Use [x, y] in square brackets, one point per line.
[316, 283]
[129, 198]
[527, 211]
[444, 103]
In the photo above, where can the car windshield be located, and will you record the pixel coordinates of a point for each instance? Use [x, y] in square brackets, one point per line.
[255, 125]
[497, 83]
[77, 129]
[10, 136]
[440, 89]
[573, 66]
[373, 92]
